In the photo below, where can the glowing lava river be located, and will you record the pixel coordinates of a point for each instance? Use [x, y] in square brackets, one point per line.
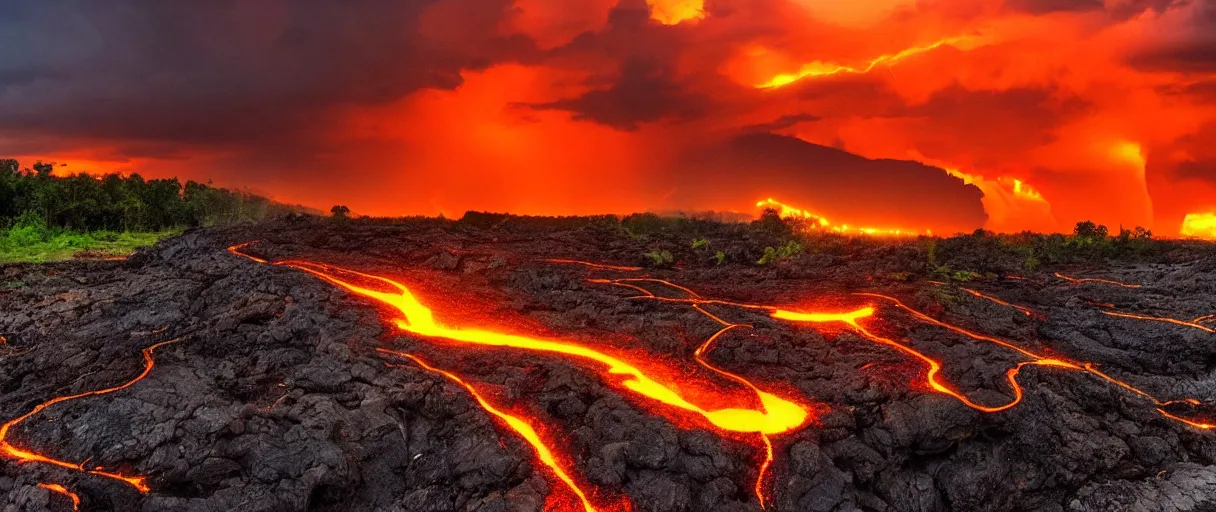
[770, 414]
[448, 368]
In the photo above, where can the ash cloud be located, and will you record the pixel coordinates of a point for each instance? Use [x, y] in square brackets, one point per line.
[223, 72]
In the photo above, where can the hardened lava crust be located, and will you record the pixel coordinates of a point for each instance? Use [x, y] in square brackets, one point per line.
[307, 364]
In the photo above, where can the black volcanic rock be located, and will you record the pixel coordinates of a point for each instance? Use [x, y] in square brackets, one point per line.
[276, 399]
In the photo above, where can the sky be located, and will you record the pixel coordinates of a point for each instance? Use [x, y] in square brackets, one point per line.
[947, 115]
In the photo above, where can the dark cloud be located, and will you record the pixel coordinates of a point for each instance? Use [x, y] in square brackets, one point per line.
[643, 92]
[994, 123]
[1203, 91]
[1190, 48]
[781, 123]
[222, 71]
[835, 183]
[1049, 6]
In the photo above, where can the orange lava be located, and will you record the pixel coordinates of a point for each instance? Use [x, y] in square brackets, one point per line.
[1199, 225]
[1035, 359]
[521, 426]
[597, 266]
[1204, 318]
[1081, 280]
[237, 250]
[56, 488]
[819, 69]
[787, 211]
[696, 301]
[23, 456]
[1025, 310]
[776, 415]
[1194, 325]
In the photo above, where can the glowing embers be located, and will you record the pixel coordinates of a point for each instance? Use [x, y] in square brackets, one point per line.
[23, 456]
[819, 69]
[1083, 280]
[59, 489]
[818, 221]
[1199, 225]
[524, 428]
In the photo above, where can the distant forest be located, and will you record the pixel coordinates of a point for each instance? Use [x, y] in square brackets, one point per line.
[83, 202]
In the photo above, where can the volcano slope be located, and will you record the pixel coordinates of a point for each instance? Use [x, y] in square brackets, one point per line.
[208, 373]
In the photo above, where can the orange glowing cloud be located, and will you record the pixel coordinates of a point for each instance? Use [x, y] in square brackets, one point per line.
[1053, 109]
[1199, 225]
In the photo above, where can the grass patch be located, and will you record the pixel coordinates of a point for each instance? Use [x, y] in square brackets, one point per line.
[36, 244]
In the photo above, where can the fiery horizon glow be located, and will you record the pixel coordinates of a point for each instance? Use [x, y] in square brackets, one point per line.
[787, 211]
[1199, 225]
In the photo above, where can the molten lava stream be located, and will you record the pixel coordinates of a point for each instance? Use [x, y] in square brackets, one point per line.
[23, 456]
[59, 489]
[1193, 325]
[1035, 359]
[697, 301]
[1081, 280]
[525, 430]
[597, 266]
[1025, 310]
[775, 414]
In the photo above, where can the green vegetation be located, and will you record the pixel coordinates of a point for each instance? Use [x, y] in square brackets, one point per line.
[787, 251]
[699, 243]
[660, 259]
[37, 245]
[46, 217]
[719, 258]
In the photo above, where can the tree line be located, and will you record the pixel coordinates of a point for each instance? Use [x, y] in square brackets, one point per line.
[84, 202]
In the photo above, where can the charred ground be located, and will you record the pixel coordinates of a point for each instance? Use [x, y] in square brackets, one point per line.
[272, 395]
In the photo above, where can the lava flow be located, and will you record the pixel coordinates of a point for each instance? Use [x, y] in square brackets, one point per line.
[1025, 310]
[775, 415]
[1080, 280]
[59, 489]
[1035, 359]
[520, 426]
[1194, 325]
[787, 211]
[23, 456]
[697, 301]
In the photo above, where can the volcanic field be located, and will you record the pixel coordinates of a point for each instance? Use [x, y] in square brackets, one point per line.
[430, 365]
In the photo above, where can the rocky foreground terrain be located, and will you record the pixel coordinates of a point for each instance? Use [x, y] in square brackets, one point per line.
[271, 394]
